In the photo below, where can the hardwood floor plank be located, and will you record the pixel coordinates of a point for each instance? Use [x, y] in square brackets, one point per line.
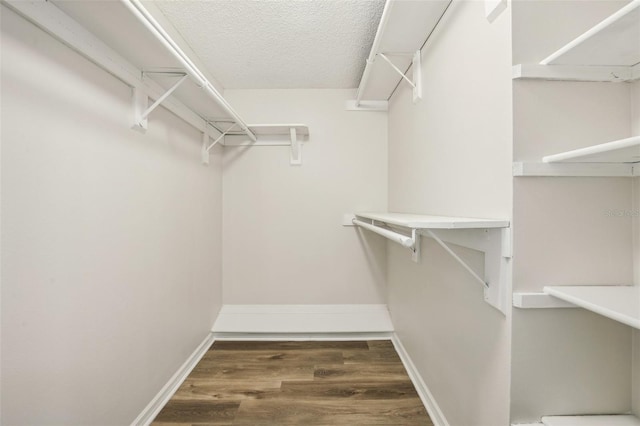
[408, 412]
[211, 412]
[365, 372]
[380, 344]
[347, 390]
[273, 357]
[371, 356]
[251, 371]
[221, 390]
[226, 345]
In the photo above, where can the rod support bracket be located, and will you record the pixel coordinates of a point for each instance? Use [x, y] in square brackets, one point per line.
[139, 104]
[417, 76]
[415, 251]
[416, 81]
[296, 148]
[204, 152]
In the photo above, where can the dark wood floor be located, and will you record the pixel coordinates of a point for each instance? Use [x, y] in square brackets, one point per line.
[297, 383]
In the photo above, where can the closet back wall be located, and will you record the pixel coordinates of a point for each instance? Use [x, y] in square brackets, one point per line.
[283, 239]
[110, 240]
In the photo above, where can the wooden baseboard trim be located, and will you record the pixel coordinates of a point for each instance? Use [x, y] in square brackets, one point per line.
[437, 417]
[153, 408]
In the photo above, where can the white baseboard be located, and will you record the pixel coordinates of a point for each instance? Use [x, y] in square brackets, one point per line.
[437, 417]
[303, 319]
[153, 408]
[302, 337]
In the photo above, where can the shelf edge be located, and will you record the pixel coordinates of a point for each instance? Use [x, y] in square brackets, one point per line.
[539, 169]
[598, 309]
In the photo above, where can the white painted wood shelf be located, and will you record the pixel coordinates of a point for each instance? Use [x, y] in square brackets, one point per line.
[490, 236]
[596, 420]
[609, 51]
[417, 221]
[617, 302]
[157, 64]
[403, 30]
[620, 151]
[620, 158]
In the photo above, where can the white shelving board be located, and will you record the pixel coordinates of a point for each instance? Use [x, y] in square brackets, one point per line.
[141, 60]
[610, 420]
[617, 302]
[139, 49]
[613, 42]
[619, 158]
[408, 26]
[416, 221]
[609, 51]
[490, 236]
[620, 303]
[620, 151]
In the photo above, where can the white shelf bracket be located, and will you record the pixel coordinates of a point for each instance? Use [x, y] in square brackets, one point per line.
[204, 152]
[416, 83]
[464, 264]
[219, 138]
[140, 109]
[493, 8]
[496, 245]
[139, 104]
[205, 140]
[415, 250]
[296, 148]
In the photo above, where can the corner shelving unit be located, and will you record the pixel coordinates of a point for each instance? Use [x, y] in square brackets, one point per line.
[608, 52]
[403, 30]
[490, 236]
[152, 63]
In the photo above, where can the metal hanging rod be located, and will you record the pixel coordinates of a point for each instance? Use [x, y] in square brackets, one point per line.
[139, 11]
[374, 48]
[403, 240]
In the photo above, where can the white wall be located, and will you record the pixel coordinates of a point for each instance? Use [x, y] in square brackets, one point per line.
[567, 361]
[110, 240]
[283, 239]
[451, 154]
[635, 130]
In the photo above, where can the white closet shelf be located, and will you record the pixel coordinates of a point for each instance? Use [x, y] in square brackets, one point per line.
[620, 151]
[617, 302]
[148, 58]
[417, 221]
[596, 420]
[490, 236]
[404, 27]
[609, 51]
[616, 158]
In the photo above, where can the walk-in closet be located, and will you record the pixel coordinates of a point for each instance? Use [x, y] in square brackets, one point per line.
[344, 212]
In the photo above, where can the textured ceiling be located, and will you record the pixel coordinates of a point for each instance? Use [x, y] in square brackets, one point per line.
[268, 44]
